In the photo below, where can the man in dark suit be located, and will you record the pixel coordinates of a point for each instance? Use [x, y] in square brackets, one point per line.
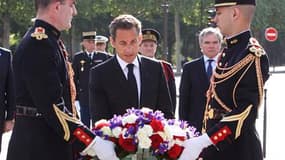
[148, 48]
[127, 79]
[195, 79]
[236, 90]
[7, 93]
[82, 62]
[46, 125]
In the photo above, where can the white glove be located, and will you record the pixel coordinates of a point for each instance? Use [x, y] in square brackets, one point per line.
[194, 146]
[104, 149]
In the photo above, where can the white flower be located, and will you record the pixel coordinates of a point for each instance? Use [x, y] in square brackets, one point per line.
[144, 142]
[106, 131]
[117, 131]
[146, 110]
[146, 130]
[130, 119]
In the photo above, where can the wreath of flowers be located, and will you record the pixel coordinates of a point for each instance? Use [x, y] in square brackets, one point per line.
[145, 129]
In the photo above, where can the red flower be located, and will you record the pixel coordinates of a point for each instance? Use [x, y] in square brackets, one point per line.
[101, 125]
[156, 140]
[181, 138]
[175, 151]
[156, 125]
[127, 144]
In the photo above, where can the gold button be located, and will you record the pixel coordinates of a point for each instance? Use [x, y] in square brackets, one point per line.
[220, 64]
[83, 137]
[224, 131]
[220, 134]
[78, 132]
[224, 54]
[215, 138]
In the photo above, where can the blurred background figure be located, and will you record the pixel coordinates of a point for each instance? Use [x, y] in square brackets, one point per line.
[195, 79]
[83, 61]
[7, 93]
[101, 44]
[148, 48]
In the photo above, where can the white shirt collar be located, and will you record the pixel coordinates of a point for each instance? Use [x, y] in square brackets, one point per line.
[123, 64]
[207, 58]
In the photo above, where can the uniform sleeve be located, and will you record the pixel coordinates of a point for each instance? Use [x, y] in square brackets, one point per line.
[170, 78]
[10, 91]
[164, 99]
[247, 97]
[42, 73]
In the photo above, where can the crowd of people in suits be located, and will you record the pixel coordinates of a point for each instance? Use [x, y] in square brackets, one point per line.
[51, 103]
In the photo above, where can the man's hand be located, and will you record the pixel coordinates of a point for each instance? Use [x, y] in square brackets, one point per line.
[194, 146]
[8, 125]
[102, 148]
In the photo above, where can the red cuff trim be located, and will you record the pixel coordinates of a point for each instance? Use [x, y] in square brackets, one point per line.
[221, 135]
[82, 136]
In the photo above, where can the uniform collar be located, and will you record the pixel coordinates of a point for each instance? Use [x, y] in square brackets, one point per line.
[48, 27]
[239, 39]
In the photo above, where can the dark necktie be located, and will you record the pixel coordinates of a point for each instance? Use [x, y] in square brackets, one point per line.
[90, 56]
[209, 68]
[133, 84]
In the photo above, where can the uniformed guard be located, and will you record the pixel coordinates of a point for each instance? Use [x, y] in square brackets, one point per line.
[148, 48]
[7, 93]
[46, 125]
[101, 44]
[236, 90]
[82, 62]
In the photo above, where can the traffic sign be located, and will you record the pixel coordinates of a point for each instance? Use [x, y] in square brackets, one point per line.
[271, 34]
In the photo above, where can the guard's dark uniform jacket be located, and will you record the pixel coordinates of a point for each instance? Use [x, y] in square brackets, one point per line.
[81, 65]
[44, 128]
[233, 99]
[7, 89]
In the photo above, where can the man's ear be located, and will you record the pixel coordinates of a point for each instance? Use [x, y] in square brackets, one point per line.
[56, 5]
[236, 12]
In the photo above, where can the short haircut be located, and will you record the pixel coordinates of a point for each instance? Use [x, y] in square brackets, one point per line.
[210, 30]
[124, 21]
[41, 4]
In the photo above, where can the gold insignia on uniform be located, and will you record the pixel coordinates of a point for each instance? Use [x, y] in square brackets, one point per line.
[82, 62]
[238, 117]
[39, 33]
[63, 119]
[234, 41]
[256, 48]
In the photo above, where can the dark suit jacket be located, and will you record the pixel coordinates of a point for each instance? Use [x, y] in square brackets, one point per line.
[7, 89]
[193, 87]
[81, 65]
[109, 91]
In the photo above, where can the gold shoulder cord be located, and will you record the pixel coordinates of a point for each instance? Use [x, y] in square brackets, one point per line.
[63, 118]
[231, 71]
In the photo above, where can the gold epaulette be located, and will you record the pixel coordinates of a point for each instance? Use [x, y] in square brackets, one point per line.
[255, 47]
[39, 33]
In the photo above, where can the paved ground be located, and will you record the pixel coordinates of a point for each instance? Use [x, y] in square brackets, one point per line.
[275, 112]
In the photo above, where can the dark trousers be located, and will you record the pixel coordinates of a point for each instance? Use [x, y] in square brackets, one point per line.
[85, 115]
